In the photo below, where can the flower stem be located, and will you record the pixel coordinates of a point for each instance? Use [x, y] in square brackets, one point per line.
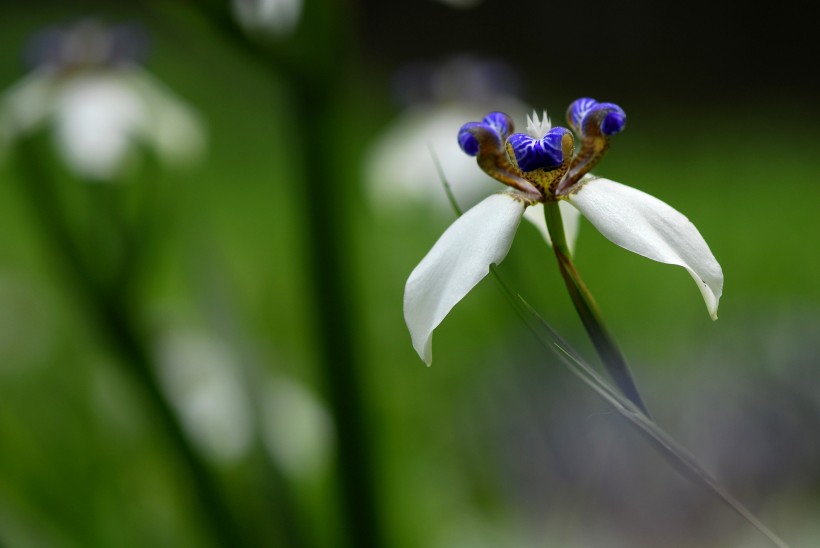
[334, 309]
[588, 310]
[109, 309]
[316, 87]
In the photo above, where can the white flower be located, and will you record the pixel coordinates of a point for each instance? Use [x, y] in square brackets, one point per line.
[482, 236]
[202, 378]
[399, 168]
[297, 430]
[101, 108]
[276, 17]
[399, 165]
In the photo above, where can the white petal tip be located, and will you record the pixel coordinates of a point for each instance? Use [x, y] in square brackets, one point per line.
[456, 263]
[647, 226]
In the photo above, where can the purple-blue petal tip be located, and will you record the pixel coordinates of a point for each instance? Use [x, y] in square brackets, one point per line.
[466, 140]
[545, 153]
[614, 122]
[500, 123]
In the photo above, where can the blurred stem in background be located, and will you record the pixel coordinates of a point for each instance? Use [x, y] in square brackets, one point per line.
[587, 308]
[314, 64]
[111, 306]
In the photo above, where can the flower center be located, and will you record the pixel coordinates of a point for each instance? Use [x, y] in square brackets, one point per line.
[543, 163]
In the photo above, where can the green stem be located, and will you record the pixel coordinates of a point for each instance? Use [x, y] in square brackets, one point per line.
[316, 88]
[334, 312]
[109, 312]
[588, 310]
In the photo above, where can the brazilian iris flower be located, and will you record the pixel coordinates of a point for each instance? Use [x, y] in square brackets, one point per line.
[544, 166]
[88, 87]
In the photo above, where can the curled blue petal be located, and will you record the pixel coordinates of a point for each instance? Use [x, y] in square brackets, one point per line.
[532, 154]
[578, 110]
[467, 139]
[611, 118]
[615, 119]
[494, 128]
[500, 123]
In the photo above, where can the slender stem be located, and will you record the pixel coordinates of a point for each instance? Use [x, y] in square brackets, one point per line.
[674, 453]
[109, 312]
[334, 312]
[588, 310]
[316, 88]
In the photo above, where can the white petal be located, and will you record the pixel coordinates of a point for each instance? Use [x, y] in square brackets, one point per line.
[297, 430]
[25, 105]
[202, 378]
[647, 226]
[97, 118]
[277, 17]
[457, 262]
[570, 216]
[171, 126]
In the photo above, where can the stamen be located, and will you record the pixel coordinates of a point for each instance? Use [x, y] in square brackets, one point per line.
[537, 128]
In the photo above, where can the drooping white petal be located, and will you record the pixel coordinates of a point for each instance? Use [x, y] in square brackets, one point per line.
[297, 430]
[172, 127]
[647, 226]
[457, 262]
[570, 215]
[26, 102]
[96, 120]
[25, 105]
[202, 378]
[276, 17]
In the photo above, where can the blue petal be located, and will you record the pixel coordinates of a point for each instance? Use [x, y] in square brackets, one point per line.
[578, 110]
[466, 140]
[615, 121]
[532, 154]
[500, 123]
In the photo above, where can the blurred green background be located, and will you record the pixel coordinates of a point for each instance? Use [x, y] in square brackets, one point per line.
[495, 444]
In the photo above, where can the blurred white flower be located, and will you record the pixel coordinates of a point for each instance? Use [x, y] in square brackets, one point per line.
[100, 103]
[296, 428]
[399, 167]
[275, 17]
[202, 379]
